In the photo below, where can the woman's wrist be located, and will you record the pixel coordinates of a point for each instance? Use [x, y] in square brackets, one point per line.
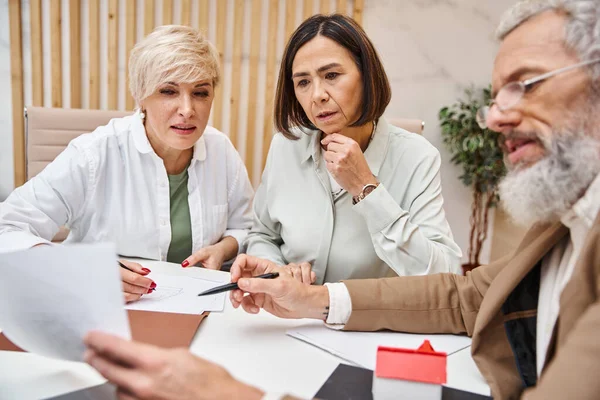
[357, 190]
[228, 247]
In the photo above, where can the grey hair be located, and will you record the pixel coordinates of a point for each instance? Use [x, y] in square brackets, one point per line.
[582, 32]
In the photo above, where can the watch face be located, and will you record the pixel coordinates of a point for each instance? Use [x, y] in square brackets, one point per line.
[369, 190]
[366, 190]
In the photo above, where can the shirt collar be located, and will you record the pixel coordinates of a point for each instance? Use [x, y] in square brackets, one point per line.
[586, 208]
[375, 153]
[313, 145]
[142, 144]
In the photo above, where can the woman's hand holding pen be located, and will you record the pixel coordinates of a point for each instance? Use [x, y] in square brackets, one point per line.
[285, 296]
[135, 282]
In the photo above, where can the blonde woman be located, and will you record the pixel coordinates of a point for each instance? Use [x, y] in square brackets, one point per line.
[161, 184]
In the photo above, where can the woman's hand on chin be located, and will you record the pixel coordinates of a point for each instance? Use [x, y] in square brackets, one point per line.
[346, 163]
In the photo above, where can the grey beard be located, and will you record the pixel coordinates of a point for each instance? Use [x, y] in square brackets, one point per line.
[548, 189]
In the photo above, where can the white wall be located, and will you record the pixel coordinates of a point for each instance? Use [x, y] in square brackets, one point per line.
[432, 50]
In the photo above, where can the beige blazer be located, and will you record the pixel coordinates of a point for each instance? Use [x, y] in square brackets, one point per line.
[446, 303]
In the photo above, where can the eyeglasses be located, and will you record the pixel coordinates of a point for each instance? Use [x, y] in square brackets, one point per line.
[511, 93]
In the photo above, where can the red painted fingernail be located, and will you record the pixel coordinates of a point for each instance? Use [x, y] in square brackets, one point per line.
[146, 270]
[185, 263]
[153, 285]
[150, 291]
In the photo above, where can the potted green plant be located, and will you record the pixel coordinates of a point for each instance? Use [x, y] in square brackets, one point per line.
[478, 153]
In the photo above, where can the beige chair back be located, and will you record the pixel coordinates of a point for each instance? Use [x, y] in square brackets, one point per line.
[411, 125]
[48, 131]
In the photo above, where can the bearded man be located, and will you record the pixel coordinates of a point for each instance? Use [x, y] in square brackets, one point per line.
[535, 315]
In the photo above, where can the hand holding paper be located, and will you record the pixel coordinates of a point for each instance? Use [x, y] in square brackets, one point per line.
[51, 296]
[151, 372]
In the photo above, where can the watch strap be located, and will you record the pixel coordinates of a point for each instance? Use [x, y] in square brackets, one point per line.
[368, 188]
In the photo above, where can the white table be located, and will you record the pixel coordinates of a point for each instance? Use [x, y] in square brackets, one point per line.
[254, 348]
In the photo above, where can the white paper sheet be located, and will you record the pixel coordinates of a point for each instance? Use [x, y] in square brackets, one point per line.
[51, 296]
[179, 294]
[360, 348]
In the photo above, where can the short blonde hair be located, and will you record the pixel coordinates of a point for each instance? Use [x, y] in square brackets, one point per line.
[171, 53]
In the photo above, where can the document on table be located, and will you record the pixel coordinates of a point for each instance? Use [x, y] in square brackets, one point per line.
[51, 296]
[179, 294]
[360, 348]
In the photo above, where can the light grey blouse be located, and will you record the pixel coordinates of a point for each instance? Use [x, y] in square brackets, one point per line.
[400, 225]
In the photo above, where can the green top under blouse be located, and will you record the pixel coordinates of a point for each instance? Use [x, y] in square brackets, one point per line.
[181, 223]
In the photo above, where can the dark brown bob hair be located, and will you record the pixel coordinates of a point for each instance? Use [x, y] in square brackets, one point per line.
[347, 33]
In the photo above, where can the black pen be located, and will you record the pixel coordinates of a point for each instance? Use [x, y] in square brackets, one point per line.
[234, 286]
[124, 266]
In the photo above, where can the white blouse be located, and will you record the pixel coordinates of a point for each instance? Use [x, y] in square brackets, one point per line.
[109, 185]
[400, 225]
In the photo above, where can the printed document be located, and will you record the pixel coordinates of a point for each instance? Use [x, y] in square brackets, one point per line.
[360, 348]
[51, 296]
[179, 294]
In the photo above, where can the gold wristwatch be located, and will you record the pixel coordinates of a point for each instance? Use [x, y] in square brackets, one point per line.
[368, 188]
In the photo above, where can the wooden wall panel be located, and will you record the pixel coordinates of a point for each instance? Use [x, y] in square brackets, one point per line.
[236, 78]
[75, 52]
[270, 81]
[203, 10]
[94, 50]
[307, 9]
[167, 12]
[253, 86]
[186, 12]
[221, 20]
[37, 68]
[130, 33]
[290, 18]
[56, 52]
[357, 11]
[113, 49]
[148, 16]
[16, 81]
